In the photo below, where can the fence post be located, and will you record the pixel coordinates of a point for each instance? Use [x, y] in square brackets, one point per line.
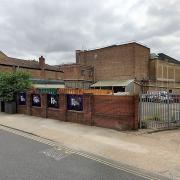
[44, 105]
[87, 108]
[168, 109]
[29, 104]
[140, 110]
[63, 106]
[136, 112]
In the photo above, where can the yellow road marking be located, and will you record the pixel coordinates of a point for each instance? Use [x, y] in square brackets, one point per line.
[70, 151]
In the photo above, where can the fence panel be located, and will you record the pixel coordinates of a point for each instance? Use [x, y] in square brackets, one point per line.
[159, 110]
[82, 91]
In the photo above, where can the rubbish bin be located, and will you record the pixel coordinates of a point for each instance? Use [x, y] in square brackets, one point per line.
[2, 106]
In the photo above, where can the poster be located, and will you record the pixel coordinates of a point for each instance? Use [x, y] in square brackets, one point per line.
[53, 100]
[36, 100]
[75, 102]
[22, 98]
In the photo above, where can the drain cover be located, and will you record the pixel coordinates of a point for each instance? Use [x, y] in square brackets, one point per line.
[56, 154]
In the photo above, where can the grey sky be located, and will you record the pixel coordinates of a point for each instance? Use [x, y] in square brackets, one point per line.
[56, 28]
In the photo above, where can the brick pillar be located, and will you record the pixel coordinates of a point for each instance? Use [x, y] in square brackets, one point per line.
[87, 109]
[63, 107]
[44, 105]
[29, 103]
[136, 113]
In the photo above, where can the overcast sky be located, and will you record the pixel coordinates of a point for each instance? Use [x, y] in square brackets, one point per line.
[56, 28]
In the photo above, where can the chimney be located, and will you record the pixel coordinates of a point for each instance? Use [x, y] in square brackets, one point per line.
[78, 56]
[42, 62]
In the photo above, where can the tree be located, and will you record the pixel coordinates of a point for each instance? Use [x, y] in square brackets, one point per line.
[12, 83]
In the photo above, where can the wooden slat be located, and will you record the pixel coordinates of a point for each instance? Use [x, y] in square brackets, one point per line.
[83, 91]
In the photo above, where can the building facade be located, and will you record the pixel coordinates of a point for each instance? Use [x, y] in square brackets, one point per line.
[78, 75]
[164, 73]
[126, 68]
[39, 70]
[112, 63]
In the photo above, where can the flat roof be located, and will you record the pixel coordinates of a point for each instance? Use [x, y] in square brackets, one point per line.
[114, 45]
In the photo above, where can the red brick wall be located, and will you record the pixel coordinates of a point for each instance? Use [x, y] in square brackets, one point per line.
[121, 62]
[141, 62]
[36, 73]
[22, 109]
[77, 72]
[116, 112]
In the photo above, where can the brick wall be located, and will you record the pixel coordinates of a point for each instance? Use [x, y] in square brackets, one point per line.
[116, 112]
[6, 68]
[77, 72]
[119, 62]
[141, 56]
[35, 73]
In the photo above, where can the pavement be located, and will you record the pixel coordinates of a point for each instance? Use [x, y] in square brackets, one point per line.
[152, 152]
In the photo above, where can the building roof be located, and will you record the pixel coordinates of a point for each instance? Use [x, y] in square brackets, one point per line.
[167, 58]
[2, 55]
[115, 45]
[112, 83]
[32, 64]
[74, 65]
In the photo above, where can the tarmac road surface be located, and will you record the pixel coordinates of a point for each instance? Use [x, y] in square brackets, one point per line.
[25, 159]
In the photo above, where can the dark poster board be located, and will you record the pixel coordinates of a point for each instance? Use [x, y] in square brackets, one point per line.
[36, 100]
[75, 102]
[53, 100]
[22, 98]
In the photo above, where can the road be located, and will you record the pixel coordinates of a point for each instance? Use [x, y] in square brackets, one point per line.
[22, 158]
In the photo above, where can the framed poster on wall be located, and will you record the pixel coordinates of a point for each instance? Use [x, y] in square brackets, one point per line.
[36, 100]
[75, 102]
[53, 100]
[22, 98]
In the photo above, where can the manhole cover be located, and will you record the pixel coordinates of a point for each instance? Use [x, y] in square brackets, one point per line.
[56, 154]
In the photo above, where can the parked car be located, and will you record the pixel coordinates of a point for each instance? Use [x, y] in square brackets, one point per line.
[153, 97]
[158, 96]
[176, 98]
[166, 98]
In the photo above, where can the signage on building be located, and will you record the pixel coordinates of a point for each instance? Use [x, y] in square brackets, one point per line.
[75, 102]
[53, 100]
[36, 100]
[22, 98]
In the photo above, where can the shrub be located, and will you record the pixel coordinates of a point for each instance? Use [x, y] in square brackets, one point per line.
[12, 83]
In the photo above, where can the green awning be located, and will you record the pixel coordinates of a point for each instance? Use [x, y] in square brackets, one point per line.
[44, 81]
[113, 83]
[48, 90]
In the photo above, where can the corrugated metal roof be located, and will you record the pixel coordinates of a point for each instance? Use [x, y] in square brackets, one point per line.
[112, 83]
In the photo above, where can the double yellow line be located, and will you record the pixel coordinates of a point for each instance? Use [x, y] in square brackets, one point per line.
[70, 151]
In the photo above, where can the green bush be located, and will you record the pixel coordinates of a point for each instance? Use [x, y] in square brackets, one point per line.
[155, 117]
[12, 83]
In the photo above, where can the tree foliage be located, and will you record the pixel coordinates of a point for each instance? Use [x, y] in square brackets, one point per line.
[12, 83]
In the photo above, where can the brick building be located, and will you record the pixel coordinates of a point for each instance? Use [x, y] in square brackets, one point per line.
[43, 75]
[78, 75]
[126, 67]
[164, 73]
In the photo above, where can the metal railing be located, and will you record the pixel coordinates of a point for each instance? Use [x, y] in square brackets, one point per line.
[159, 110]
